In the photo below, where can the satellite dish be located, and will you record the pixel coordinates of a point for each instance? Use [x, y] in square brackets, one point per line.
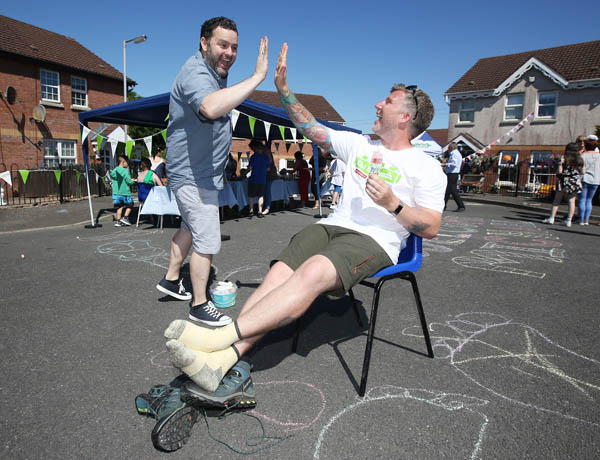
[11, 94]
[39, 113]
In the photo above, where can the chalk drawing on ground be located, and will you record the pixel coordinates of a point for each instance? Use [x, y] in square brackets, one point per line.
[383, 409]
[536, 372]
[136, 251]
[454, 232]
[307, 403]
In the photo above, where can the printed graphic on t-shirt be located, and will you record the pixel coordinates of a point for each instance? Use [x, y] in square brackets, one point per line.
[388, 173]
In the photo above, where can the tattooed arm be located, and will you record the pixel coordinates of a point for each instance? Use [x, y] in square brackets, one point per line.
[300, 116]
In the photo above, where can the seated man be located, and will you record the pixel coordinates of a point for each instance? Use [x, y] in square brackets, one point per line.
[366, 232]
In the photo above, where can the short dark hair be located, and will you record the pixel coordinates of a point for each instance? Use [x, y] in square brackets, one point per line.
[146, 162]
[590, 144]
[124, 157]
[421, 117]
[211, 24]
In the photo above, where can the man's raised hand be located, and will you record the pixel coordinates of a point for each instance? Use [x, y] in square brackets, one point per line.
[281, 72]
[262, 61]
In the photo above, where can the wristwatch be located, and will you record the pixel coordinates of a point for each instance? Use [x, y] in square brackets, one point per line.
[396, 211]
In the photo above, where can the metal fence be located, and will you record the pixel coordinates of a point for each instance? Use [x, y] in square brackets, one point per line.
[33, 186]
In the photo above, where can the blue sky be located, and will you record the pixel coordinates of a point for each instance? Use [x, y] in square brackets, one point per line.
[351, 52]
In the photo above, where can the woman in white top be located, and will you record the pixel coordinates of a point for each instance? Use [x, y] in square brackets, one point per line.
[591, 179]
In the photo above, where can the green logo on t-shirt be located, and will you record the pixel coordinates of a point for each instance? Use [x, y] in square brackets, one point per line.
[388, 174]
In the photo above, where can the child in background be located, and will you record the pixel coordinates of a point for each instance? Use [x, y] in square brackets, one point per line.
[122, 191]
[569, 173]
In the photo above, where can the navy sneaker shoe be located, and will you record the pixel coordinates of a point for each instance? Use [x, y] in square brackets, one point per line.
[174, 289]
[236, 389]
[208, 314]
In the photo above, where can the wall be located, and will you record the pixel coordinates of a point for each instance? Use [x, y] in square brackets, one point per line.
[20, 137]
[577, 112]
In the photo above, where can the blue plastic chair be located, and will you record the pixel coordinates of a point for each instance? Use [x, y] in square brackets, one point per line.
[143, 190]
[409, 262]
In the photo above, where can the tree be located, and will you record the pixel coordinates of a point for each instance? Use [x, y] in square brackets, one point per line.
[139, 132]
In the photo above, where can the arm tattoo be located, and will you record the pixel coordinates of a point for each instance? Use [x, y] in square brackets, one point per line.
[306, 122]
[418, 227]
[285, 321]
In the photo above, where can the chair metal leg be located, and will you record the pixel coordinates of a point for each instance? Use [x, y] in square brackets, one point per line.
[370, 336]
[413, 282]
[355, 307]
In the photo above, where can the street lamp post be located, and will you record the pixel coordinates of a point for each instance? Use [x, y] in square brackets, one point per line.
[136, 40]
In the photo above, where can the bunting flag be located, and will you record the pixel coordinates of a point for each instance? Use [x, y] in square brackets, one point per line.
[267, 129]
[164, 135]
[78, 176]
[24, 175]
[252, 121]
[6, 176]
[287, 147]
[500, 140]
[301, 146]
[305, 139]
[235, 114]
[84, 133]
[99, 140]
[282, 131]
[57, 174]
[168, 116]
[293, 130]
[148, 142]
[128, 147]
[114, 144]
[276, 146]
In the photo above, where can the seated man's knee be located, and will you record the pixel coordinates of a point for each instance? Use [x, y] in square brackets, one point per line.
[318, 271]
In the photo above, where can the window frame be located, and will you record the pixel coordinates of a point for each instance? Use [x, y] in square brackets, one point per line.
[513, 106]
[462, 110]
[80, 92]
[63, 156]
[538, 105]
[50, 86]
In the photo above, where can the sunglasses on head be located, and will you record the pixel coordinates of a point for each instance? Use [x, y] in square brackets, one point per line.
[413, 91]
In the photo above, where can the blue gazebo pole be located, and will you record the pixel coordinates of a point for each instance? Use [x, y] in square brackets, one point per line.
[86, 162]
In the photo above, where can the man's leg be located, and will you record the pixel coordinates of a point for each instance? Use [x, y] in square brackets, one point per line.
[279, 307]
[180, 247]
[199, 273]
[452, 184]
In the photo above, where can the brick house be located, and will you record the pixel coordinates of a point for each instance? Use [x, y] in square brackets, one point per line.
[54, 78]
[316, 104]
[559, 86]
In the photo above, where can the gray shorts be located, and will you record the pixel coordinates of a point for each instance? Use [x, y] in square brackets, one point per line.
[355, 256]
[199, 209]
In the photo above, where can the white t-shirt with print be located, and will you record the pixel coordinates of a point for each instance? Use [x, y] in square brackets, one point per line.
[415, 177]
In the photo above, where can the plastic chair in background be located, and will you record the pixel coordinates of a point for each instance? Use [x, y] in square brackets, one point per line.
[409, 262]
[142, 190]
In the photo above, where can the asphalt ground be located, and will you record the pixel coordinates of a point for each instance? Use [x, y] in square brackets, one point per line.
[511, 304]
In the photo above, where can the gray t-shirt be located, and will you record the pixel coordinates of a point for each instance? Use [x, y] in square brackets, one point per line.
[197, 148]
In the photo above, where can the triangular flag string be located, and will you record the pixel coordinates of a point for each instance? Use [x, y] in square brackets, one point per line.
[235, 115]
[293, 130]
[251, 121]
[57, 174]
[282, 131]
[267, 129]
[6, 176]
[84, 133]
[148, 142]
[24, 175]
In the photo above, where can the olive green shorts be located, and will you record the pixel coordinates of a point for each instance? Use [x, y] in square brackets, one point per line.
[355, 256]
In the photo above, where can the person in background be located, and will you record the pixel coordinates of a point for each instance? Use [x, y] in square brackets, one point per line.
[452, 167]
[321, 176]
[337, 170]
[231, 168]
[146, 175]
[271, 176]
[303, 172]
[569, 172]
[121, 195]
[257, 182]
[159, 167]
[199, 137]
[591, 179]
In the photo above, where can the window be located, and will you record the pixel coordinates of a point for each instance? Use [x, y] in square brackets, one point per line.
[56, 152]
[514, 107]
[541, 159]
[79, 91]
[467, 112]
[546, 107]
[50, 82]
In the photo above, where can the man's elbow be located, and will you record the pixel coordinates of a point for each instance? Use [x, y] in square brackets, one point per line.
[430, 233]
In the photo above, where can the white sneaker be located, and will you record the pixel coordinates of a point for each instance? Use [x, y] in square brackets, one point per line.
[125, 221]
[567, 223]
[548, 220]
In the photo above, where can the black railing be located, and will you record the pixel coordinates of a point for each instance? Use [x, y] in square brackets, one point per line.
[33, 186]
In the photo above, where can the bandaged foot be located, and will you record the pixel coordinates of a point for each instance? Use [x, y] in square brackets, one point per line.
[202, 338]
[205, 369]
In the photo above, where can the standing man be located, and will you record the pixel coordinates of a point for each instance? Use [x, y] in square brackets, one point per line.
[199, 141]
[452, 167]
[366, 233]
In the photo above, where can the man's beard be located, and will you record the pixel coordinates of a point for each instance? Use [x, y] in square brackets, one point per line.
[213, 62]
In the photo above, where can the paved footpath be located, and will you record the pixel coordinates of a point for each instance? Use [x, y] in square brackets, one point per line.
[511, 305]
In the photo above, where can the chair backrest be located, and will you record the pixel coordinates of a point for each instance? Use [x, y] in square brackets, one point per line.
[143, 190]
[409, 260]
